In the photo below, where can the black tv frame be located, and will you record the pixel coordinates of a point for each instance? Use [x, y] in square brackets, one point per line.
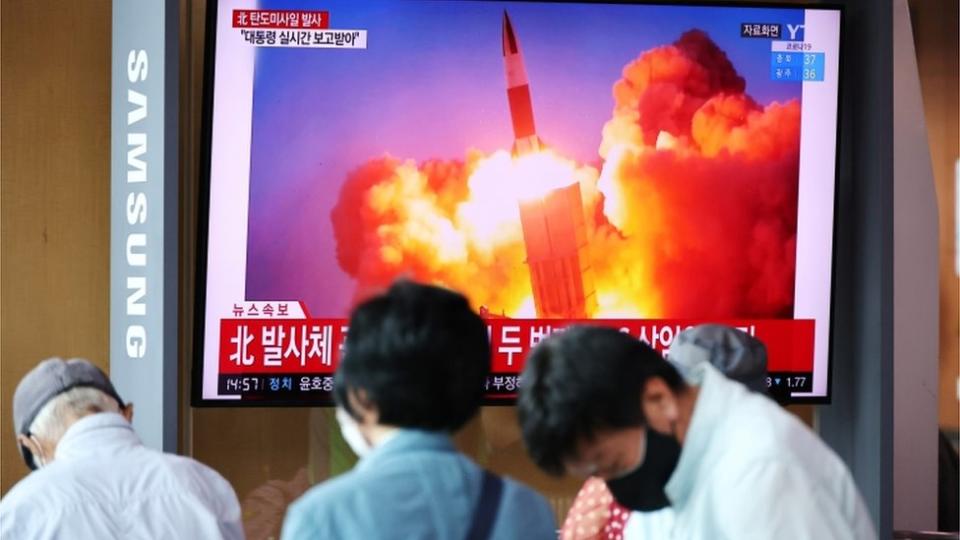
[203, 208]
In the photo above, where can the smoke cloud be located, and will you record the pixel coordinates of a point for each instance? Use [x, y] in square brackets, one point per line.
[692, 215]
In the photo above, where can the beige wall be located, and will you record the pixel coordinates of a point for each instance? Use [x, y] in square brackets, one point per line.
[55, 194]
[936, 25]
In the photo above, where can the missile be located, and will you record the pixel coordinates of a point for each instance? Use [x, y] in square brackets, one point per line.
[525, 139]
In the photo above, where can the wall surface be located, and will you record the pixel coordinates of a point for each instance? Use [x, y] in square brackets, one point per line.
[55, 194]
[858, 423]
[936, 25]
[915, 294]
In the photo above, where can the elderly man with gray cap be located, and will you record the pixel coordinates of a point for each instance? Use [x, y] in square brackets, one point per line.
[93, 478]
[598, 402]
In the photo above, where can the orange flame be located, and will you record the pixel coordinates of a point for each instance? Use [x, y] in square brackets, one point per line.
[693, 213]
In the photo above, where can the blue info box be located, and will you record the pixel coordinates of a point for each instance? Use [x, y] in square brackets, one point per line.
[796, 66]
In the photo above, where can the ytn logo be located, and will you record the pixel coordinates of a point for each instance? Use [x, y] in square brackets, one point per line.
[795, 32]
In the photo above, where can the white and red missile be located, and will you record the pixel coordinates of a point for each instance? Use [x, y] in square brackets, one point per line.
[518, 94]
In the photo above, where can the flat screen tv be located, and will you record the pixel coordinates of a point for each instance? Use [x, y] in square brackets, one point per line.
[644, 166]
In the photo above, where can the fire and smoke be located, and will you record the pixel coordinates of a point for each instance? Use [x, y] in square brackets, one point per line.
[692, 215]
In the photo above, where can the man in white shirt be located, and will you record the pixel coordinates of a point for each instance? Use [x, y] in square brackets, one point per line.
[747, 468]
[93, 477]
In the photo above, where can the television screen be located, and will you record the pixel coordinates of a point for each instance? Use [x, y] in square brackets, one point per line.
[648, 167]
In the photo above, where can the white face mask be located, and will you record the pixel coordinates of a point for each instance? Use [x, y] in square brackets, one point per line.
[38, 459]
[351, 433]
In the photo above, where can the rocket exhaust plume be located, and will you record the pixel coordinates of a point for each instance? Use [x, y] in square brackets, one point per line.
[525, 139]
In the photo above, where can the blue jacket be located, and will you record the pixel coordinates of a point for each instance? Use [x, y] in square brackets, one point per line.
[415, 485]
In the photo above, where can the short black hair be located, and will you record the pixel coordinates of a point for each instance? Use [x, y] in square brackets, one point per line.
[579, 381]
[421, 355]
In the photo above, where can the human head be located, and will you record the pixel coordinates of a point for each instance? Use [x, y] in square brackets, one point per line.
[734, 353]
[582, 393]
[54, 395]
[416, 356]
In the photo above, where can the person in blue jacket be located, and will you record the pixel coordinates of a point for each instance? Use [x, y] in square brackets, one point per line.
[413, 372]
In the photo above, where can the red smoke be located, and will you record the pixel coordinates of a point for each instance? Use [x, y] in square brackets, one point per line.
[693, 214]
[704, 182]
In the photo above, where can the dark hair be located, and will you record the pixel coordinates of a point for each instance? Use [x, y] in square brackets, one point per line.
[581, 380]
[420, 354]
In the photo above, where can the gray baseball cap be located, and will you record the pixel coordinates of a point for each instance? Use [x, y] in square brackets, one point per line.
[49, 379]
[734, 353]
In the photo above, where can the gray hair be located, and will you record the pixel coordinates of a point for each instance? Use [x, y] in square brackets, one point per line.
[63, 410]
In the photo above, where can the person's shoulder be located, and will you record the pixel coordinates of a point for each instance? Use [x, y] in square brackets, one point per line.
[30, 499]
[523, 495]
[324, 505]
[515, 488]
[32, 509]
[15, 500]
[768, 426]
[50, 482]
[16, 512]
[335, 491]
[186, 466]
[525, 513]
[761, 433]
[754, 432]
[207, 485]
[190, 475]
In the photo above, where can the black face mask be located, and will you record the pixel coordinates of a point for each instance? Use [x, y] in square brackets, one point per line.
[643, 489]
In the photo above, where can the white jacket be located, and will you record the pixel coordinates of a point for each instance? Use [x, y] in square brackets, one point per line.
[105, 484]
[751, 470]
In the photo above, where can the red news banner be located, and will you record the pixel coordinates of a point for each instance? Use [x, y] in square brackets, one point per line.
[287, 346]
[281, 19]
